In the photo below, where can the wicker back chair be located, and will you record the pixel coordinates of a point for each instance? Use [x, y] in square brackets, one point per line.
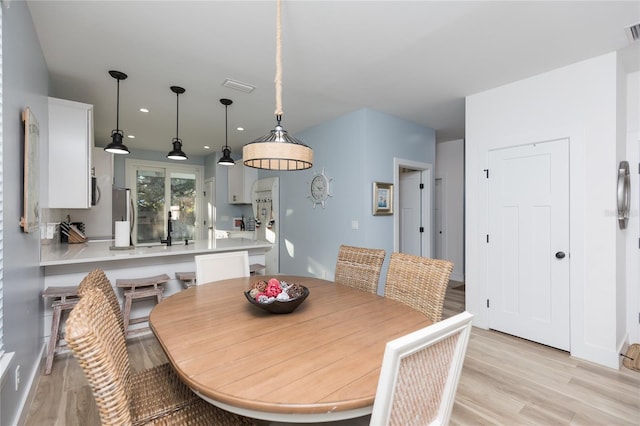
[419, 282]
[420, 374]
[359, 267]
[97, 342]
[97, 279]
[154, 396]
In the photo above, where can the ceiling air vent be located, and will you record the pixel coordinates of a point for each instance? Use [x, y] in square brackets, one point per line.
[633, 32]
[238, 85]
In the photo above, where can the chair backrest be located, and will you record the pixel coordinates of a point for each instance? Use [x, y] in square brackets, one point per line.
[418, 282]
[98, 344]
[221, 266]
[420, 374]
[359, 267]
[97, 279]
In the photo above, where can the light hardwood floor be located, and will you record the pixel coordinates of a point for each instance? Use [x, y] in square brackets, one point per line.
[505, 380]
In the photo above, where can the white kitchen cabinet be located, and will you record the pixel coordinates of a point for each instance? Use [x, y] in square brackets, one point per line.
[70, 143]
[240, 181]
[97, 219]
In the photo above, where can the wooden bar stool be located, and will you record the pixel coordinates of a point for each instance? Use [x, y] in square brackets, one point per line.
[64, 299]
[136, 289]
[188, 278]
[254, 268]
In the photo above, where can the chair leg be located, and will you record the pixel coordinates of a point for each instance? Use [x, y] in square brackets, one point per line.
[53, 339]
[126, 312]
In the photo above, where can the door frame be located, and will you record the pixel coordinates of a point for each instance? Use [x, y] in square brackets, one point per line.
[426, 176]
[209, 189]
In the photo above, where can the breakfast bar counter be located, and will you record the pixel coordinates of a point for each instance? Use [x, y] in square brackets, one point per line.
[67, 264]
[100, 251]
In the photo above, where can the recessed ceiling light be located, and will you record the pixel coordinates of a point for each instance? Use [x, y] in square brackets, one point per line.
[207, 147]
[241, 128]
[131, 136]
[144, 110]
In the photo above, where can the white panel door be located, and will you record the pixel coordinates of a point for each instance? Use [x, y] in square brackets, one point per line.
[410, 214]
[440, 222]
[528, 255]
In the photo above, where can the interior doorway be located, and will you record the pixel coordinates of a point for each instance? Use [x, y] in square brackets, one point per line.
[413, 221]
[410, 194]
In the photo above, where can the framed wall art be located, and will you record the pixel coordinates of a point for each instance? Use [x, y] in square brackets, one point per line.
[382, 198]
[31, 186]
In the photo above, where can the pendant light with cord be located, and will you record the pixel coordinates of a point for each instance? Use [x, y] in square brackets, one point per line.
[176, 153]
[226, 159]
[116, 146]
[277, 150]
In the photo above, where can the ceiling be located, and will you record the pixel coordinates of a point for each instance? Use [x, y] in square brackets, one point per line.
[415, 59]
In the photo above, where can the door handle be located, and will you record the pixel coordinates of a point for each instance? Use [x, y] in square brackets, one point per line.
[560, 255]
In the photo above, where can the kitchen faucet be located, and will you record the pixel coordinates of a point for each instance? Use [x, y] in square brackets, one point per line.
[169, 231]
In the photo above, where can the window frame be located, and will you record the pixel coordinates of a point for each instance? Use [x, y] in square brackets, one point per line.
[132, 165]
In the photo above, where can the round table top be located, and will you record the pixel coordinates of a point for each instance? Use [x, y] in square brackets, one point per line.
[320, 362]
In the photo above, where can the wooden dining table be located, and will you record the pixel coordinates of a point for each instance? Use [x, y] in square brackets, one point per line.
[318, 363]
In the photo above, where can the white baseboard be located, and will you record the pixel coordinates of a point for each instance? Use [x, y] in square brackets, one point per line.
[29, 395]
[5, 362]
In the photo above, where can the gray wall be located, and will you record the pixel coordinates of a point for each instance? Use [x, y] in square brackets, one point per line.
[355, 150]
[25, 84]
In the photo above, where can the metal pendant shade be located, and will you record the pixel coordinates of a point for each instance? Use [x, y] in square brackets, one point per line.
[176, 153]
[116, 146]
[226, 159]
[277, 150]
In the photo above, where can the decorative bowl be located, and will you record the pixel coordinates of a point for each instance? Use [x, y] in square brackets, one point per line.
[277, 306]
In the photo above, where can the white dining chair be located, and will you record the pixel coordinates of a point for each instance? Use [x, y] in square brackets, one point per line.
[420, 373]
[221, 266]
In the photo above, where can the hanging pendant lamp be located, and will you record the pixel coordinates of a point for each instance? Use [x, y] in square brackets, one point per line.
[277, 150]
[116, 146]
[226, 159]
[176, 153]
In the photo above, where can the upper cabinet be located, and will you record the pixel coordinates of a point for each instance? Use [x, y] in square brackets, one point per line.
[70, 143]
[240, 181]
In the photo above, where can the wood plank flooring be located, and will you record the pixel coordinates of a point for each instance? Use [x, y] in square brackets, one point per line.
[505, 381]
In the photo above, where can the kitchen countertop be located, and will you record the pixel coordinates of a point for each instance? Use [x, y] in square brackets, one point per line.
[99, 251]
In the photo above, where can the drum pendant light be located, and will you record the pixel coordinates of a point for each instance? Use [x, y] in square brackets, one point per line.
[176, 153]
[277, 150]
[116, 146]
[226, 159]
